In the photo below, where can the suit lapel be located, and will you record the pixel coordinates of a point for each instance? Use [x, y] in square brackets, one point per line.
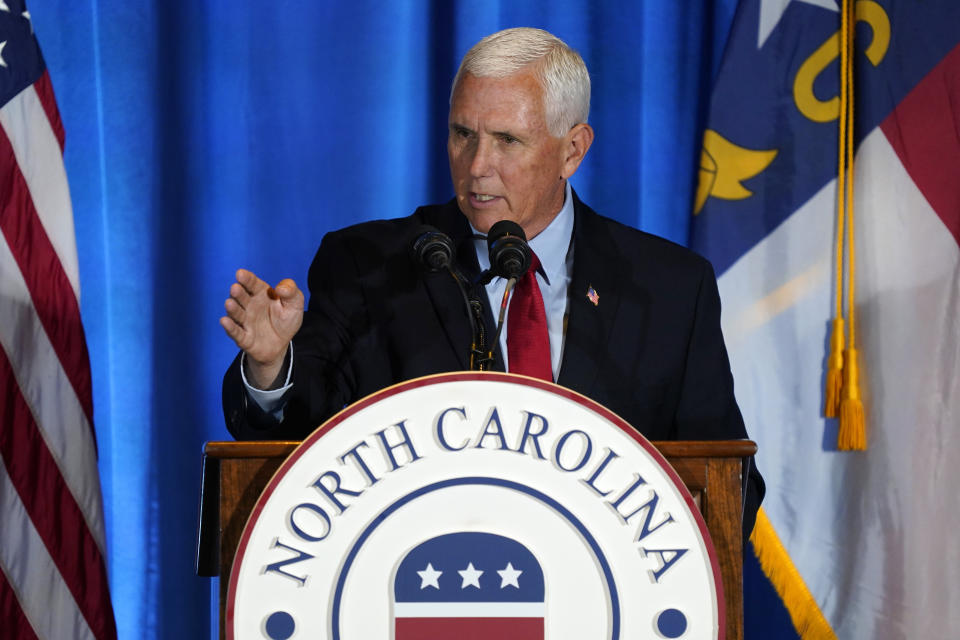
[594, 300]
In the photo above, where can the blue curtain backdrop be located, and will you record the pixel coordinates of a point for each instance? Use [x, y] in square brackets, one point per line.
[207, 136]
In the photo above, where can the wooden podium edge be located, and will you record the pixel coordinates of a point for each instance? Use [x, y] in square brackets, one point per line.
[701, 465]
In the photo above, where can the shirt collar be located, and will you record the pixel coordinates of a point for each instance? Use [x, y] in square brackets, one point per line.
[550, 245]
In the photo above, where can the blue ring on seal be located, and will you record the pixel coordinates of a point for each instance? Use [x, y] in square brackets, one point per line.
[478, 480]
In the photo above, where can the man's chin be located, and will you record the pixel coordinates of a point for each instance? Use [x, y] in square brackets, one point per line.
[483, 219]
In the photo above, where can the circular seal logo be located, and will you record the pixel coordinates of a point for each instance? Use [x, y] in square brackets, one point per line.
[475, 505]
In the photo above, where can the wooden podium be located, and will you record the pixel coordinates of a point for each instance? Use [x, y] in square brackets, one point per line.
[235, 473]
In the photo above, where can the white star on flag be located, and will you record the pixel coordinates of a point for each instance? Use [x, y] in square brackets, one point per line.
[772, 10]
[471, 577]
[429, 577]
[3, 62]
[508, 576]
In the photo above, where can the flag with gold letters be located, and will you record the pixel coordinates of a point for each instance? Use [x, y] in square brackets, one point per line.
[856, 544]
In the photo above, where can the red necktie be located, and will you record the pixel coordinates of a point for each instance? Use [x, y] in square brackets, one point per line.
[528, 343]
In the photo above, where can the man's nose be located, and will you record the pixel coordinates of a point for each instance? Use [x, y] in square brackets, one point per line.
[481, 164]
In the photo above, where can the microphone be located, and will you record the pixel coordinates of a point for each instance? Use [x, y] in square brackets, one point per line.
[509, 259]
[508, 249]
[433, 249]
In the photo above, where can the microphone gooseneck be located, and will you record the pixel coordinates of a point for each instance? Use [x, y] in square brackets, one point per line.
[434, 251]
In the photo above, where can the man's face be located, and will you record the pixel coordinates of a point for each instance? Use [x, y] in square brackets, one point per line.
[504, 162]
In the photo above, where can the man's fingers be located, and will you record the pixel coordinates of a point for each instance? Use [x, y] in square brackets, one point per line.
[233, 330]
[238, 293]
[250, 282]
[235, 312]
[228, 325]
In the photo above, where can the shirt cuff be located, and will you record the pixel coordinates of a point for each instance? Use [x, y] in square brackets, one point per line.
[270, 401]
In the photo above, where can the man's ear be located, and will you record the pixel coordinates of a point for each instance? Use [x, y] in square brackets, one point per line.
[575, 145]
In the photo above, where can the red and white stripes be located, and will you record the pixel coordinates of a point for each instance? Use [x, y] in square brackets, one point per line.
[53, 582]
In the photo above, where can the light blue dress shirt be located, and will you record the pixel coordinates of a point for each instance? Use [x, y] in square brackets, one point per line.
[554, 247]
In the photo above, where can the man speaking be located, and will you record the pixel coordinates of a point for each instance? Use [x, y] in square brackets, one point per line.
[625, 318]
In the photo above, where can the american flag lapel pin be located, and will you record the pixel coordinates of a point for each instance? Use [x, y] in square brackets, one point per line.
[593, 296]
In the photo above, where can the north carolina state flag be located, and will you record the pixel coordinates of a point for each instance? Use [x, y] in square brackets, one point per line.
[857, 544]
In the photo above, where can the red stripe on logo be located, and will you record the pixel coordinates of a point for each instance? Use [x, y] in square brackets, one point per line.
[923, 132]
[15, 624]
[51, 507]
[49, 287]
[469, 628]
[44, 89]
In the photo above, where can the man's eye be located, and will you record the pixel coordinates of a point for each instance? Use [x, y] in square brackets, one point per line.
[508, 139]
[461, 133]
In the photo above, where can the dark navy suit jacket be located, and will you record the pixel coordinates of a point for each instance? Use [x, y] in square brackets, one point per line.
[650, 350]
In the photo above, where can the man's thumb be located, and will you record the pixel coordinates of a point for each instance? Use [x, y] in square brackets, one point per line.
[287, 290]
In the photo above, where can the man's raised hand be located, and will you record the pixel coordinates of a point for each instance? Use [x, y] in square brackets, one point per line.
[262, 320]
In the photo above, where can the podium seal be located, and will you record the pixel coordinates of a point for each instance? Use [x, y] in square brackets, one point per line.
[475, 505]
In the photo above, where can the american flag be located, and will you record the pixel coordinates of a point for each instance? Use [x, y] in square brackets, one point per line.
[470, 586]
[53, 581]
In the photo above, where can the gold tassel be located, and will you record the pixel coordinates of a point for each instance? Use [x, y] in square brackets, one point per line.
[834, 380]
[852, 432]
[831, 406]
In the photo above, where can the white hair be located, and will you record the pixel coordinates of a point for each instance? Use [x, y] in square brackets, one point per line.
[559, 69]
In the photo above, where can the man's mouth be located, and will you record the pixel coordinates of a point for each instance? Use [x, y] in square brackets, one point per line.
[483, 197]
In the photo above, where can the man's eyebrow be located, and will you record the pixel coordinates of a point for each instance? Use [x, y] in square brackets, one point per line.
[455, 126]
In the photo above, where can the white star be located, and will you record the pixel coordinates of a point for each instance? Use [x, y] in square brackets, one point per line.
[3, 62]
[471, 577]
[508, 576]
[429, 577]
[4, 7]
[772, 10]
[26, 15]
